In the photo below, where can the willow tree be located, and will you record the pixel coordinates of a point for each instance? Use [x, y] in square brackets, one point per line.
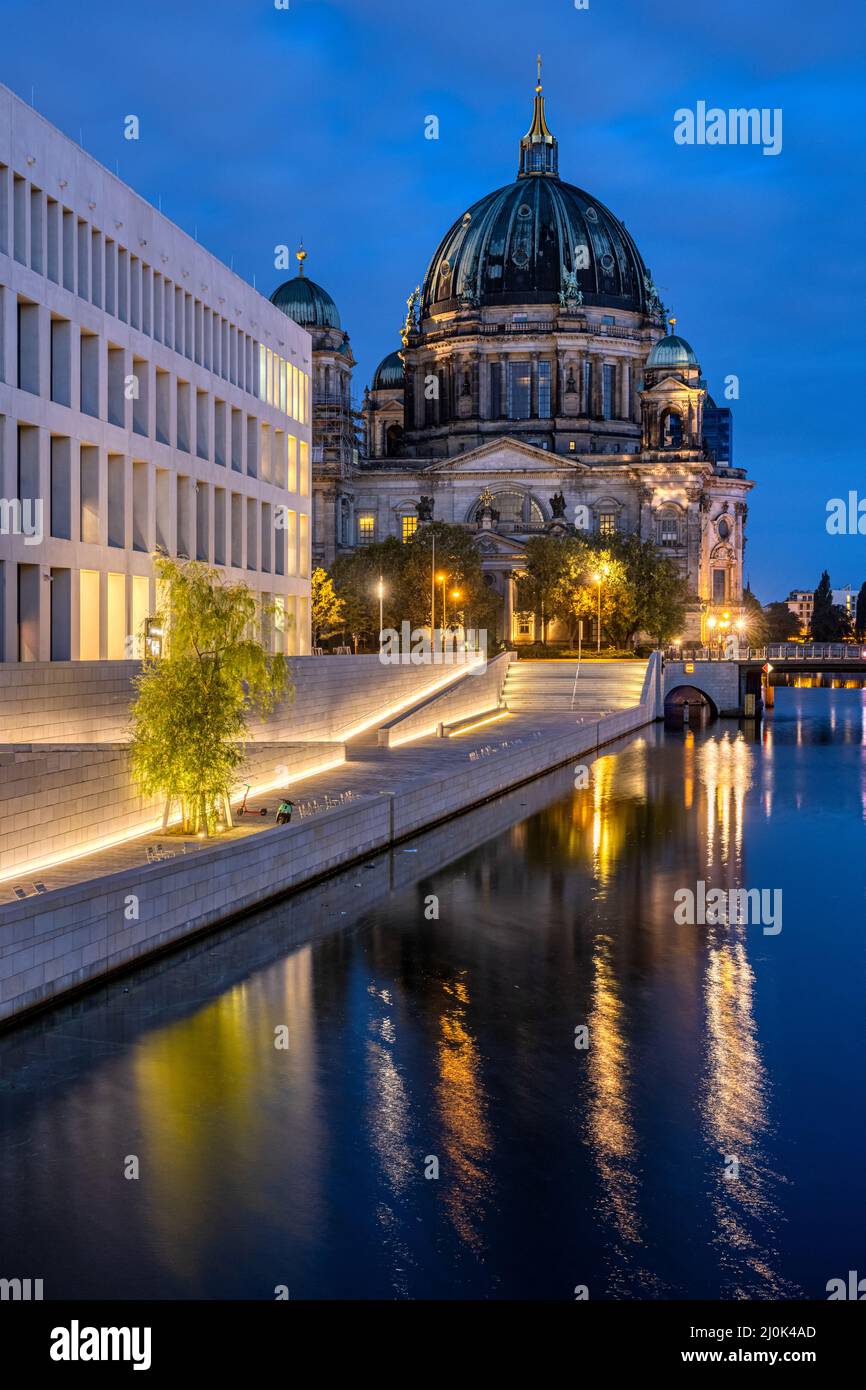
[193, 704]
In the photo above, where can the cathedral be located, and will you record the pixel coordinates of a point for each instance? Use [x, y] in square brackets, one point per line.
[537, 390]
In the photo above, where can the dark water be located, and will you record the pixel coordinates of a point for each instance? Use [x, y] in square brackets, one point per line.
[413, 1039]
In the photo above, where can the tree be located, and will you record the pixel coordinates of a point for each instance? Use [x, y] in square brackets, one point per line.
[780, 624]
[193, 704]
[860, 614]
[326, 608]
[655, 592]
[540, 586]
[830, 622]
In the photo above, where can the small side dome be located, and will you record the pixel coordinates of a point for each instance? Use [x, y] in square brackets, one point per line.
[388, 376]
[306, 302]
[672, 351]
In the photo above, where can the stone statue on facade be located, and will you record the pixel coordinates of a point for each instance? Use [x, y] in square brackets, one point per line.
[412, 315]
[570, 295]
[424, 508]
[557, 505]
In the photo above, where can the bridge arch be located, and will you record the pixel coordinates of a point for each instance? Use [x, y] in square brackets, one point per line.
[692, 696]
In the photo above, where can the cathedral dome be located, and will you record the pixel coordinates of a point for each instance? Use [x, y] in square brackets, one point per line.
[534, 239]
[672, 351]
[306, 302]
[389, 373]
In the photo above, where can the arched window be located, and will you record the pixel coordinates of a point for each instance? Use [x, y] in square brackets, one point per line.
[516, 510]
[671, 430]
[394, 440]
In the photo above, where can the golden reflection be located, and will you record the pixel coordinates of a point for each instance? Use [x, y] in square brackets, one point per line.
[725, 770]
[735, 1117]
[611, 1132]
[203, 1087]
[462, 1106]
[689, 769]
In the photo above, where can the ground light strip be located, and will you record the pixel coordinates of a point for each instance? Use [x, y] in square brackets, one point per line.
[138, 832]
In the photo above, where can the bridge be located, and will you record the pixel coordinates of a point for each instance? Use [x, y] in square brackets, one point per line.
[728, 679]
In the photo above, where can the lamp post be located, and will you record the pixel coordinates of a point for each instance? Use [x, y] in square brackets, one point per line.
[442, 578]
[381, 619]
[597, 578]
[455, 594]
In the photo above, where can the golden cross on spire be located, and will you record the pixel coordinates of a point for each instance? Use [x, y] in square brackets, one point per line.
[673, 324]
[538, 88]
[301, 256]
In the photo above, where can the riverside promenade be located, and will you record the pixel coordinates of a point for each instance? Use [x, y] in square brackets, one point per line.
[96, 914]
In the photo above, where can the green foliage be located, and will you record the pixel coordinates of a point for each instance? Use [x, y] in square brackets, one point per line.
[326, 608]
[641, 590]
[779, 624]
[830, 622]
[193, 704]
[406, 573]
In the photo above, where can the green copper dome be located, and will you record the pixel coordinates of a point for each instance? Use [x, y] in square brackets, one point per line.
[672, 351]
[389, 373]
[306, 302]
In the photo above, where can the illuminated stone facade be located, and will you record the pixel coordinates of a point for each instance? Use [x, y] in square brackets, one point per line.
[536, 367]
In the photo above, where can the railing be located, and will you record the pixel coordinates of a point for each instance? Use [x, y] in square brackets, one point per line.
[775, 651]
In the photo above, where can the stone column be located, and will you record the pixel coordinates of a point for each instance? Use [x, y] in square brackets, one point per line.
[509, 607]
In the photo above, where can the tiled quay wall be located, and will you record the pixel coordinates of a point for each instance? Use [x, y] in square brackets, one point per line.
[54, 798]
[472, 694]
[88, 701]
[67, 938]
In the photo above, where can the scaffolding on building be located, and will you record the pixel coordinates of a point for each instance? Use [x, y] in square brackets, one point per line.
[336, 427]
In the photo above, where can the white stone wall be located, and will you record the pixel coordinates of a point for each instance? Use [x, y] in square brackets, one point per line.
[133, 411]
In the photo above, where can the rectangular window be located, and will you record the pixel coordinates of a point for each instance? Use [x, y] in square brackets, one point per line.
[116, 617]
[669, 531]
[61, 361]
[587, 388]
[89, 374]
[28, 347]
[410, 526]
[607, 524]
[544, 390]
[366, 528]
[140, 612]
[88, 621]
[495, 390]
[719, 595]
[519, 390]
[608, 390]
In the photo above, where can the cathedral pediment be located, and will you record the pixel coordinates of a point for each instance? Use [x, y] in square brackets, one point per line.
[503, 456]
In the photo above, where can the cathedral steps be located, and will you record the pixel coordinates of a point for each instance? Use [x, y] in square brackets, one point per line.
[546, 686]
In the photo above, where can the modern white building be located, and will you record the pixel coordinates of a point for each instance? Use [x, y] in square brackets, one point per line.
[150, 400]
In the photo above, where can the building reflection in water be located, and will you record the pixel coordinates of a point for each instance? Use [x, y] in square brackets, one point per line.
[461, 1107]
[388, 1127]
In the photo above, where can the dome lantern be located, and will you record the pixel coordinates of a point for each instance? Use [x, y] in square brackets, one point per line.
[539, 151]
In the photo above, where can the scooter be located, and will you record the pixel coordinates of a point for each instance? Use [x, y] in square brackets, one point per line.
[242, 809]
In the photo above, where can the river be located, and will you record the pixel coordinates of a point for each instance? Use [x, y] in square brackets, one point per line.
[380, 1089]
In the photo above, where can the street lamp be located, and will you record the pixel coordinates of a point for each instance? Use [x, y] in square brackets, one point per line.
[442, 578]
[598, 577]
[456, 594]
[381, 619]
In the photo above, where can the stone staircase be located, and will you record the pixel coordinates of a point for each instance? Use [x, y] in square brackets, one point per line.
[547, 686]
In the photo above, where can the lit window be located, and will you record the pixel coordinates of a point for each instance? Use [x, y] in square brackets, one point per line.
[366, 528]
[607, 524]
[410, 526]
[571, 446]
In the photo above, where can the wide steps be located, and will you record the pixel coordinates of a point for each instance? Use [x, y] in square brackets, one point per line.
[549, 685]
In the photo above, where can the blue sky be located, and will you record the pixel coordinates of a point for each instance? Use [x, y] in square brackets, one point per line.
[260, 126]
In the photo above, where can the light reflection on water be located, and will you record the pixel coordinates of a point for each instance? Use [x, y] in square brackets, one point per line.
[419, 1044]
